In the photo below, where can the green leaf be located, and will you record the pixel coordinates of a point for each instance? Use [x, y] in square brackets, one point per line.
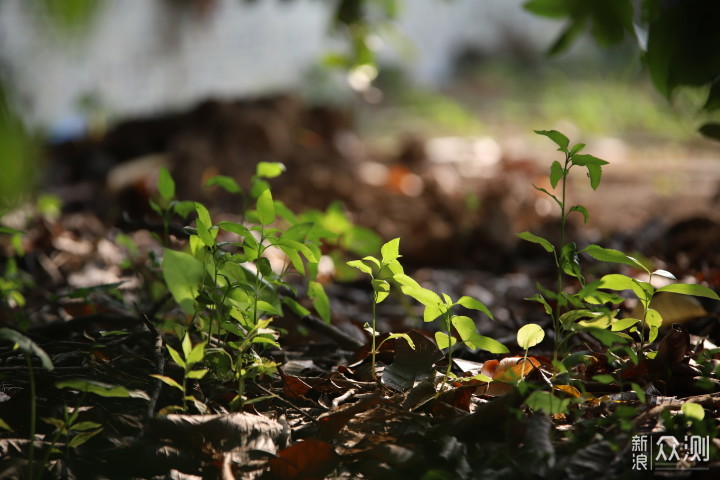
[577, 148]
[169, 381]
[373, 260]
[390, 251]
[266, 208]
[569, 261]
[166, 185]
[464, 326]
[405, 280]
[360, 265]
[84, 426]
[622, 324]
[547, 402]
[595, 174]
[690, 289]
[607, 337]
[613, 256]
[584, 160]
[381, 288]
[693, 410]
[197, 374]
[604, 378]
[295, 306]
[4, 426]
[431, 313]
[26, 345]
[581, 209]
[473, 304]
[557, 200]
[101, 389]
[294, 257]
[83, 437]
[183, 274]
[556, 173]
[197, 354]
[710, 130]
[541, 300]
[422, 295]
[486, 343]
[186, 346]
[269, 169]
[204, 223]
[226, 183]
[616, 281]
[654, 321]
[529, 237]
[664, 273]
[316, 292]
[548, 8]
[530, 335]
[233, 227]
[177, 358]
[404, 336]
[557, 137]
[443, 340]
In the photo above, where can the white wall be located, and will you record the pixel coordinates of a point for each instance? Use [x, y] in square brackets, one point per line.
[141, 56]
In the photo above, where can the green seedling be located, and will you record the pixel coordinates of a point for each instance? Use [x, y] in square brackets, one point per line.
[381, 271]
[644, 291]
[441, 307]
[166, 205]
[528, 336]
[29, 348]
[192, 355]
[565, 254]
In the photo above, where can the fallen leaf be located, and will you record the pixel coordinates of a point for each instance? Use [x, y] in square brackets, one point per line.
[306, 460]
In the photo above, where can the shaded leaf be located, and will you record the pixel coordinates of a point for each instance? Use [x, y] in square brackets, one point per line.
[527, 236]
[561, 140]
[101, 389]
[165, 184]
[226, 183]
[556, 173]
[411, 366]
[183, 273]
[317, 294]
[26, 345]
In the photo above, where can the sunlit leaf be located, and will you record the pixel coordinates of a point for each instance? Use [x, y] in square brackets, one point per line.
[168, 381]
[530, 335]
[266, 208]
[443, 340]
[622, 324]
[464, 326]
[422, 295]
[473, 304]
[690, 289]
[360, 265]
[390, 251]
[177, 358]
[693, 410]
[183, 273]
[488, 344]
[269, 169]
[611, 255]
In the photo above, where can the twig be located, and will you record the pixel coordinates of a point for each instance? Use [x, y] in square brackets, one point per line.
[159, 365]
[332, 332]
[289, 404]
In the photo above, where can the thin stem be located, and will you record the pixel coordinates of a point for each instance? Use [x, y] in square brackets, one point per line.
[33, 418]
[448, 370]
[374, 334]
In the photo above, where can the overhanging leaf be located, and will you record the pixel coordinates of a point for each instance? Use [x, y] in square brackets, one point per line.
[474, 304]
[101, 389]
[527, 236]
[26, 345]
[561, 140]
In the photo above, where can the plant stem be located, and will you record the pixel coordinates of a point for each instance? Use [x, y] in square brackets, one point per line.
[33, 418]
[448, 370]
[374, 334]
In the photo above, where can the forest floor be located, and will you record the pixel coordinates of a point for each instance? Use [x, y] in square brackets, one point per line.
[89, 292]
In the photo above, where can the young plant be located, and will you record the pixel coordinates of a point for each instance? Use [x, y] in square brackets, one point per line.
[564, 254]
[528, 336]
[29, 348]
[381, 272]
[441, 307]
[191, 356]
[166, 205]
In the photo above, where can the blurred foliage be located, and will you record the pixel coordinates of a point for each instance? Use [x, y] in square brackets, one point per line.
[679, 39]
[17, 156]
